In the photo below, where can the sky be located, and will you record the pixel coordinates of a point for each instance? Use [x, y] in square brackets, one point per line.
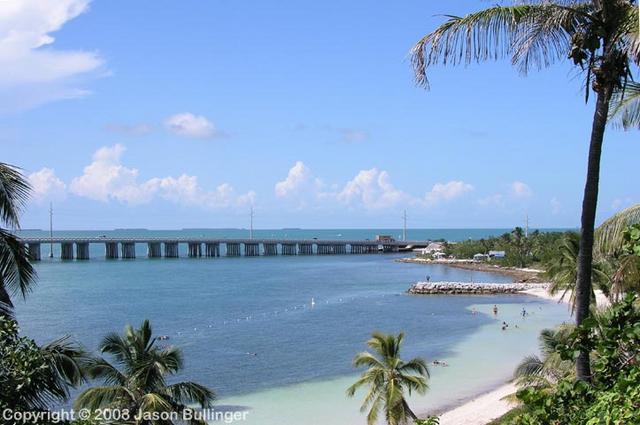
[171, 114]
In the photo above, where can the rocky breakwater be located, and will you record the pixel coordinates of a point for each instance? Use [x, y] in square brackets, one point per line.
[468, 288]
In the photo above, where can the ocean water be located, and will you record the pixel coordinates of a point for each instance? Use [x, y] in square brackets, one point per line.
[249, 330]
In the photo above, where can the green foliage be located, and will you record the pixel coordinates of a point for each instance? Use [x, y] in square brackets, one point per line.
[431, 420]
[613, 395]
[631, 240]
[520, 250]
[388, 377]
[34, 378]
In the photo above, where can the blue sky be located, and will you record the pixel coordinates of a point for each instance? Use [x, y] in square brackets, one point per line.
[171, 114]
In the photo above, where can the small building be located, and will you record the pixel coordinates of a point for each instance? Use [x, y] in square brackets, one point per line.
[384, 238]
[497, 254]
[439, 255]
[480, 257]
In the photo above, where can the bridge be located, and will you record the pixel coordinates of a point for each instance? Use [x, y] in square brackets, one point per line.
[78, 247]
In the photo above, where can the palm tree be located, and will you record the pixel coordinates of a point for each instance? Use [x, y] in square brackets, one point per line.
[388, 377]
[599, 36]
[563, 269]
[137, 382]
[16, 273]
[543, 372]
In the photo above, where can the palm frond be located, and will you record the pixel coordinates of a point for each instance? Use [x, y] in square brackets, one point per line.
[16, 272]
[625, 107]
[609, 235]
[14, 193]
[99, 397]
[190, 392]
[530, 34]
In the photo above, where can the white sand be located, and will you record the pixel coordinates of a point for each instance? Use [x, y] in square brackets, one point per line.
[482, 409]
[601, 299]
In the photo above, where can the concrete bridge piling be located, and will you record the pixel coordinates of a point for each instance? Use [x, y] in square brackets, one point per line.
[34, 251]
[82, 250]
[154, 250]
[66, 250]
[195, 249]
[171, 250]
[111, 250]
[212, 250]
[270, 249]
[233, 249]
[128, 250]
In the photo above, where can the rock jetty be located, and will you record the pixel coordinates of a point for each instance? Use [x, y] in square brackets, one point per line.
[467, 288]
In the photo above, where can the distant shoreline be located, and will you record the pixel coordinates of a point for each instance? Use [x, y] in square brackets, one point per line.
[518, 275]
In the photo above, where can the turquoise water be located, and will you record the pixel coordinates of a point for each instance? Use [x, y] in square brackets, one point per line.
[223, 311]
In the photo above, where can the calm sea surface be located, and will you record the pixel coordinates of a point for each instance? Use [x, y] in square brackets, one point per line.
[249, 330]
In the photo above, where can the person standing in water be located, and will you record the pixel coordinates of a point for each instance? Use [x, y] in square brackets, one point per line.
[495, 310]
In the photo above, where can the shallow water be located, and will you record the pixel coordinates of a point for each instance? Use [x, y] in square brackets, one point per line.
[248, 328]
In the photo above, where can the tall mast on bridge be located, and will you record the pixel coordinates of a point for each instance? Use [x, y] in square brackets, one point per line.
[50, 229]
[251, 223]
[404, 227]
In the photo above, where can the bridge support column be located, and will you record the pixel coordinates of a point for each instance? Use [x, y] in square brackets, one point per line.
[171, 249]
[305, 249]
[34, 251]
[251, 249]
[82, 250]
[212, 250]
[195, 249]
[154, 249]
[66, 250]
[270, 249]
[289, 248]
[233, 249]
[128, 250]
[111, 250]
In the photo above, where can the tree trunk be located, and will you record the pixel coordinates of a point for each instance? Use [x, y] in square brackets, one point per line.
[589, 204]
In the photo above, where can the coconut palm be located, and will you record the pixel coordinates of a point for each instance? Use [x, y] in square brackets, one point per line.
[388, 378]
[543, 372]
[599, 36]
[137, 380]
[563, 269]
[16, 273]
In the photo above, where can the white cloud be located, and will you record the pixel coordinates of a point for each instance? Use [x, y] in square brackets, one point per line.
[46, 185]
[189, 125]
[372, 189]
[447, 191]
[521, 190]
[32, 71]
[107, 179]
[298, 177]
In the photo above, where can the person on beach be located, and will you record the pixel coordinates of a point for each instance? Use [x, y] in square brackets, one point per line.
[495, 310]
[524, 312]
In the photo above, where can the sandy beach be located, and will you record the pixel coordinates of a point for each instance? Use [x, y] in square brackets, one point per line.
[480, 410]
[489, 406]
